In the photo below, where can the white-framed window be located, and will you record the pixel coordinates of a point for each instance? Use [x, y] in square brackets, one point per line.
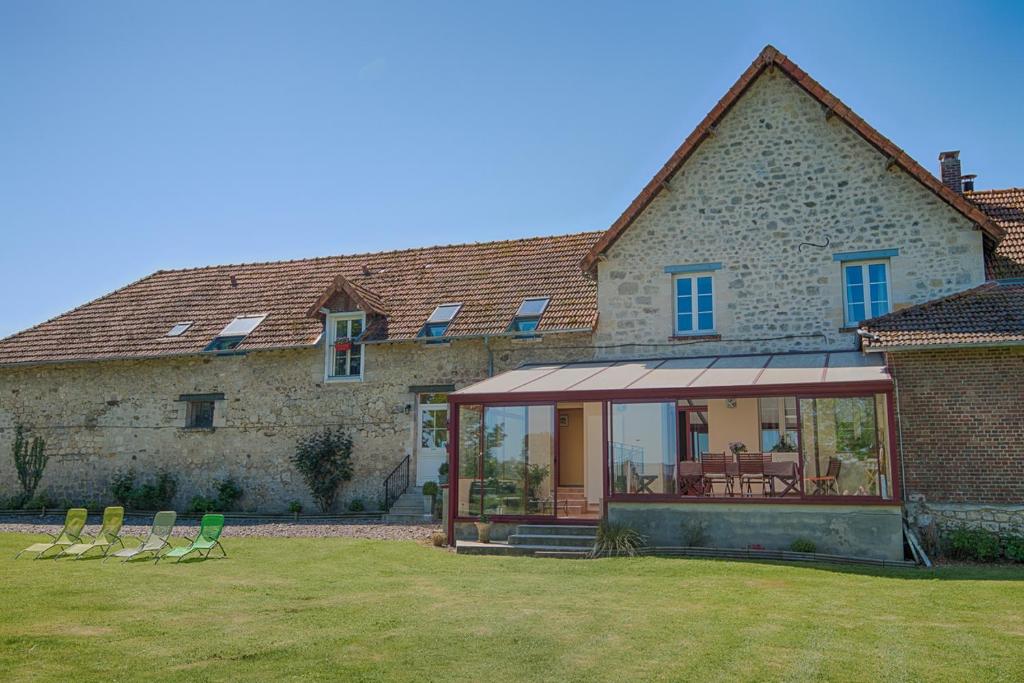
[866, 290]
[438, 322]
[694, 303]
[344, 349]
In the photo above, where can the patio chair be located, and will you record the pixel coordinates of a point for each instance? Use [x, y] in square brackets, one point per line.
[828, 484]
[715, 469]
[109, 534]
[751, 469]
[163, 525]
[71, 534]
[209, 531]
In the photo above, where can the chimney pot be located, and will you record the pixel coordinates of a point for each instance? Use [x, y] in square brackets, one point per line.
[949, 170]
[968, 182]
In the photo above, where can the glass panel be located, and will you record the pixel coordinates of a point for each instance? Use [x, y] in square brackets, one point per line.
[518, 458]
[525, 324]
[355, 357]
[434, 398]
[643, 447]
[434, 329]
[470, 423]
[705, 304]
[854, 294]
[879, 289]
[444, 314]
[532, 307]
[684, 304]
[841, 447]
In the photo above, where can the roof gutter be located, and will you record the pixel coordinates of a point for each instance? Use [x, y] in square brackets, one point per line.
[499, 335]
[934, 347]
[162, 356]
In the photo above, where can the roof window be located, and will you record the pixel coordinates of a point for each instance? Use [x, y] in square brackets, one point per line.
[438, 322]
[528, 316]
[179, 329]
[235, 332]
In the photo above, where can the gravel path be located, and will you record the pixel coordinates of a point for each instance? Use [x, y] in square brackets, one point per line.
[243, 527]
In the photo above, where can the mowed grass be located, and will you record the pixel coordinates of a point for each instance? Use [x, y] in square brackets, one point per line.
[340, 609]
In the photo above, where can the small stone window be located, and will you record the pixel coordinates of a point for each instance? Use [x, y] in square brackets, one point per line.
[199, 415]
[201, 411]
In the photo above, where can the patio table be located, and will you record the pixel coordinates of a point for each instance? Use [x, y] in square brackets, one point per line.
[786, 473]
[691, 478]
[644, 482]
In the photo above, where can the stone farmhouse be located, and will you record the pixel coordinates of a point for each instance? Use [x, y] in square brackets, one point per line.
[793, 331]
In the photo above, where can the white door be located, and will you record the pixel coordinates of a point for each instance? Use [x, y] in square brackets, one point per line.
[433, 436]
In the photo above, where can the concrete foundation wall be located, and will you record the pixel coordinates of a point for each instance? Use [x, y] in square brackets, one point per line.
[857, 531]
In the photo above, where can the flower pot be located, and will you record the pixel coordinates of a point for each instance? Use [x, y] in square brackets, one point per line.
[342, 346]
[483, 531]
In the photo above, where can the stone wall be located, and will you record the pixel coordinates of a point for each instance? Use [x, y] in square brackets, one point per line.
[102, 417]
[961, 413]
[1005, 520]
[777, 174]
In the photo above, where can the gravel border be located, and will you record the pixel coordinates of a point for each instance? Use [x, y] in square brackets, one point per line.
[245, 528]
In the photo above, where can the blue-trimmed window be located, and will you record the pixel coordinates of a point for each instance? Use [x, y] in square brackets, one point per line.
[695, 304]
[866, 290]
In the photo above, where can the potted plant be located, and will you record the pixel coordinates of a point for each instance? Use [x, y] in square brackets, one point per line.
[442, 473]
[737, 447]
[343, 345]
[483, 529]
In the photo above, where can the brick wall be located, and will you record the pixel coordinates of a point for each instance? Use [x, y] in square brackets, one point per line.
[962, 417]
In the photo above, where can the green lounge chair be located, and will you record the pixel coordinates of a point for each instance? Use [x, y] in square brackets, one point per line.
[209, 531]
[113, 518]
[71, 534]
[163, 525]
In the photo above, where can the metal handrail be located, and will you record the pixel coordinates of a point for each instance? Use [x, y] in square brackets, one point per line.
[396, 483]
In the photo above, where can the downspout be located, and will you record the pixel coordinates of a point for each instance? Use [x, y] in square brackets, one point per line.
[899, 437]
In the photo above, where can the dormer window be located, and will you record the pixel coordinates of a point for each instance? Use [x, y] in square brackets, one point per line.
[528, 316]
[179, 329]
[438, 322]
[344, 346]
[235, 332]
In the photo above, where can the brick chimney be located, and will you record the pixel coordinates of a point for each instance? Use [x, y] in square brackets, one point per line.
[949, 168]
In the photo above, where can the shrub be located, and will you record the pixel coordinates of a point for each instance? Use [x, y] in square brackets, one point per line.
[200, 505]
[29, 460]
[439, 539]
[324, 460]
[977, 544]
[295, 507]
[1014, 549]
[228, 493]
[430, 488]
[151, 496]
[617, 539]
[803, 545]
[356, 505]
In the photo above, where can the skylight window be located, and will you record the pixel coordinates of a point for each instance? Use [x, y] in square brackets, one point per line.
[528, 316]
[179, 329]
[438, 322]
[234, 333]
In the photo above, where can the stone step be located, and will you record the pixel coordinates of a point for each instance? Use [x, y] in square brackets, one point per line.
[563, 554]
[557, 530]
[551, 540]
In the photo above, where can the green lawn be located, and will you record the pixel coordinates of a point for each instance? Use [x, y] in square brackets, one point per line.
[339, 609]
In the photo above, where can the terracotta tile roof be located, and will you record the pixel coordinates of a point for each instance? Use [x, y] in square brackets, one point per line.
[490, 280]
[1006, 208]
[771, 58]
[992, 313]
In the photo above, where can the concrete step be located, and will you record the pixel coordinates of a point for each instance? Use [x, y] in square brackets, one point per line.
[575, 541]
[475, 548]
[557, 530]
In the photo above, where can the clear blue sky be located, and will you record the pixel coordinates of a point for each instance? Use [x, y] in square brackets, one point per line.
[136, 136]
